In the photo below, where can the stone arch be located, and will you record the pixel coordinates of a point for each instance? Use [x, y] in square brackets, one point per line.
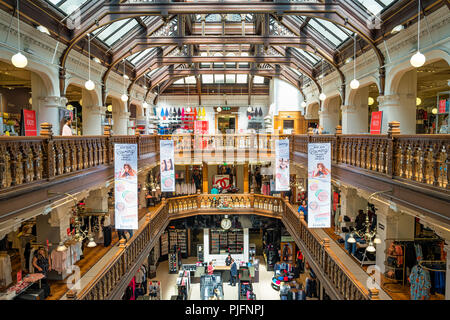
[93, 97]
[329, 115]
[48, 76]
[120, 114]
[396, 73]
[364, 82]
[312, 110]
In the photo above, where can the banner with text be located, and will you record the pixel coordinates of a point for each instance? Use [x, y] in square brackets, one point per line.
[375, 122]
[282, 165]
[319, 185]
[126, 186]
[167, 159]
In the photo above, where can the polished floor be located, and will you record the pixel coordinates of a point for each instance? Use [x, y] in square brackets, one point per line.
[262, 289]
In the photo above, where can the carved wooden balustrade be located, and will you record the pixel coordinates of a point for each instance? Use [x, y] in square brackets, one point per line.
[340, 277]
[420, 158]
[25, 160]
[121, 265]
[219, 142]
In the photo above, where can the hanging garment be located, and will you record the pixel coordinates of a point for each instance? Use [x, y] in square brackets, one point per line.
[58, 259]
[419, 255]
[420, 283]
[30, 260]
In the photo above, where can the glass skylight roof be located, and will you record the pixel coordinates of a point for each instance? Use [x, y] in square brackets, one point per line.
[139, 56]
[375, 6]
[68, 6]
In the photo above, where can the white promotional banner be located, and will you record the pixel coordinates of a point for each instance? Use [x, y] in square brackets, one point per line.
[167, 159]
[319, 185]
[126, 186]
[282, 165]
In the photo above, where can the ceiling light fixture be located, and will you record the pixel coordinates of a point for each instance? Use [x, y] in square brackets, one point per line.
[109, 108]
[354, 84]
[145, 104]
[434, 111]
[96, 59]
[418, 101]
[371, 101]
[418, 59]
[43, 29]
[397, 29]
[19, 60]
[219, 109]
[90, 85]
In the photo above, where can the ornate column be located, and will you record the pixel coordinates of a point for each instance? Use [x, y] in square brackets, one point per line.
[398, 107]
[120, 123]
[49, 112]
[355, 115]
[329, 116]
[92, 120]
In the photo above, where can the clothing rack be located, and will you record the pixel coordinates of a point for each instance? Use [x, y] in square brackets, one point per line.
[433, 262]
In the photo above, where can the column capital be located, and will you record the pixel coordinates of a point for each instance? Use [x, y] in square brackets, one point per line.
[53, 101]
[393, 99]
[348, 108]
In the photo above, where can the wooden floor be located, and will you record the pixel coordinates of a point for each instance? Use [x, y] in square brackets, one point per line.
[395, 291]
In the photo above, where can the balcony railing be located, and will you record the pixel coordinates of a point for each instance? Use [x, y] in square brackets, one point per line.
[421, 159]
[120, 266]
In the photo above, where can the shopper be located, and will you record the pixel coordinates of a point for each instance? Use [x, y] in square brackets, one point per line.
[121, 234]
[304, 208]
[360, 220]
[210, 268]
[214, 189]
[233, 273]
[228, 260]
[42, 265]
[67, 131]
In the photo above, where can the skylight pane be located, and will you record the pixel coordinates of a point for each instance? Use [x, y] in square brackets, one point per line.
[120, 33]
[141, 55]
[219, 78]
[337, 31]
[71, 5]
[205, 65]
[207, 78]
[179, 81]
[230, 78]
[258, 80]
[241, 78]
[371, 5]
[329, 36]
[111, 28]
[189, 80]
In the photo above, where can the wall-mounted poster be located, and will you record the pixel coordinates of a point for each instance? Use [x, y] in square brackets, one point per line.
[167, 160]
[319, 185]
[282, 165]
[126, 186]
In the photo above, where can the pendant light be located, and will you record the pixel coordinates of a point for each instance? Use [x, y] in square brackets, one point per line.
[19, 60]
[322, 95]
[91, 243]
[61, 247]
[124, 97]
[371, 248]
[188, 109]
[219, 109]
[162, 113]
[249, 109]
[90, 85]
[145, 104]
[354, 84]
[418, 59]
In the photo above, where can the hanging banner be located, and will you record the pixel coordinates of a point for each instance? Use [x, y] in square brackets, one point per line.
[222, 180]
[319, 185]
[282, 165]
[167, 159]
[126, 183]
[375, 122]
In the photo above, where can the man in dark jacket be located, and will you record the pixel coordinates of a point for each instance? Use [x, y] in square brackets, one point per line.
[228, 260]
[233, 273]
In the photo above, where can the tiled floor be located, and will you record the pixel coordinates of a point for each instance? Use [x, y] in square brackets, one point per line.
[262, 289]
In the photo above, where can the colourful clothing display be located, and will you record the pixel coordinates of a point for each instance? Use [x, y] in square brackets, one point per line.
[420, 283]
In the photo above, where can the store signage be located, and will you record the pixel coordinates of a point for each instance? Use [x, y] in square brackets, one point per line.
[222, 180]
[125, 186]
[201, 127]
[282, 165]
[375, 122]
[319, 185]
[167, 165]
[380, 226]
[29, 122]
[443, 106]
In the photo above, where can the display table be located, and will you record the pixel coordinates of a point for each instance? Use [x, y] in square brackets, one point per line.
[224, 272]
[22, 286]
